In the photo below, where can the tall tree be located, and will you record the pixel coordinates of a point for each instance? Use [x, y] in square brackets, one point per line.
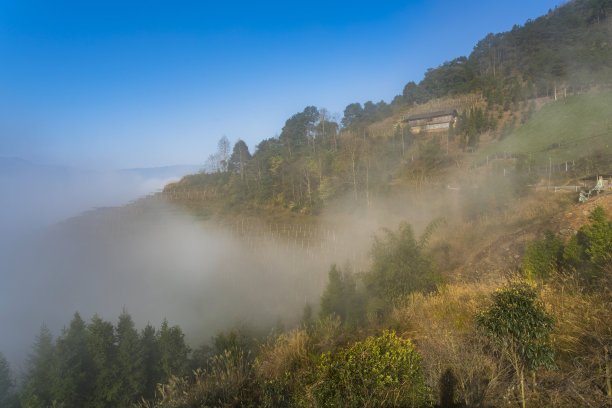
[103, 349]
[75, 378]
[173, 351]
[7, 395]
[295, 132]
[130, 360]
[150, 358]
[399, 265]
[340, 297]
[352, 114]
[223, 152]
[239, 158]
[41, 372]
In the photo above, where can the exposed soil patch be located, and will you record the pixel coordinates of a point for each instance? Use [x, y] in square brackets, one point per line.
[500, 255]
[570, 221]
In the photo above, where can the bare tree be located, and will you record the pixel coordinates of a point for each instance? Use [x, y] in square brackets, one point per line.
[223, 152]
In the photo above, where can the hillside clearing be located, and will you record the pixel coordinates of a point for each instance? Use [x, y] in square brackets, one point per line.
[564, 130]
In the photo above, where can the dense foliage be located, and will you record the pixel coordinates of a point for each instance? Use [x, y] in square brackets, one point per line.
[520, 327]
[303, 168]
[8, 396]
[316, 158]
[568, 47]
[542, 257]
[382, 371]
[341, 297]
[101, 365]
[400, 266]
[587, 252]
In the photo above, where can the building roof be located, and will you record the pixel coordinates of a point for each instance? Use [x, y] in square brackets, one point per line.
[430, 115]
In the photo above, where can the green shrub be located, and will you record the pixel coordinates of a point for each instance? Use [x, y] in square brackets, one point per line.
[399, 265]
[382, 371]
[342, 298]
[598, 237]
[520, 326]
[543, 257]
[591, 248]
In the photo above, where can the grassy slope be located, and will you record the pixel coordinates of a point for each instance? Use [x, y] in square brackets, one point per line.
[565, 130]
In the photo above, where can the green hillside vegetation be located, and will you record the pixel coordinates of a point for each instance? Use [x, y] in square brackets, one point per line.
[315, 160]
[565, 130]
[568, 48]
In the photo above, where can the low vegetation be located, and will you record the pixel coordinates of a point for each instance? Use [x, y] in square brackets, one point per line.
[543, 339]
[569, 129]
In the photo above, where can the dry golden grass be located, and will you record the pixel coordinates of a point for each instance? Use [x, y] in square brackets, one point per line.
[452, 308]
[283, 353]
[443, 329]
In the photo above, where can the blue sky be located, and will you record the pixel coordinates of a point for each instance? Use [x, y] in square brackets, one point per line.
[116, 84]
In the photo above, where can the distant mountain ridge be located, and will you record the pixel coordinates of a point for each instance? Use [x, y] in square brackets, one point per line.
[42, 194]
[177, 170]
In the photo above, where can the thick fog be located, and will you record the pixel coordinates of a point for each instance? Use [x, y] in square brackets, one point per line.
[158, 261]
[33, 199]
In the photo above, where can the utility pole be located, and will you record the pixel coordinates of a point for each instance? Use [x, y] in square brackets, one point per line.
[403, 145]
[549, 170]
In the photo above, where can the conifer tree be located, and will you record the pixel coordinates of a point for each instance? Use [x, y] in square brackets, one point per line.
[7, 396]
[41, 372]
[150, 360]
[75, 379]
[130, 360]
[173, 351]
[341, 297]
[103, 350]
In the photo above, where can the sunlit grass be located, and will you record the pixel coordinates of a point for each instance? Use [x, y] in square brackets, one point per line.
[564, 130]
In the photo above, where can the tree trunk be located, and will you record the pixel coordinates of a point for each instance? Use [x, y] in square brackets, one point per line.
[354, 175]
[308, 186]
[368, 182]
[607, 362]
[522, 377]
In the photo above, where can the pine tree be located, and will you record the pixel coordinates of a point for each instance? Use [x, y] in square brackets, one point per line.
[341, 297]
[41, 372]
[130, 361]
[76, 376]
[151, 361]
[173, 352]
[103, 350]
[7, 396]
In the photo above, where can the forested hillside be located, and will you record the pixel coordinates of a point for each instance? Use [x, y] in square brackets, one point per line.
[480, 290]
[315, 159]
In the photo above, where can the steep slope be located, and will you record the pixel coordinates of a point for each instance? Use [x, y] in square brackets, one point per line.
[568, 129]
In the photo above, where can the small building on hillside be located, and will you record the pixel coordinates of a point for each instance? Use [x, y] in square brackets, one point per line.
[432, 121]
[605, 180]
